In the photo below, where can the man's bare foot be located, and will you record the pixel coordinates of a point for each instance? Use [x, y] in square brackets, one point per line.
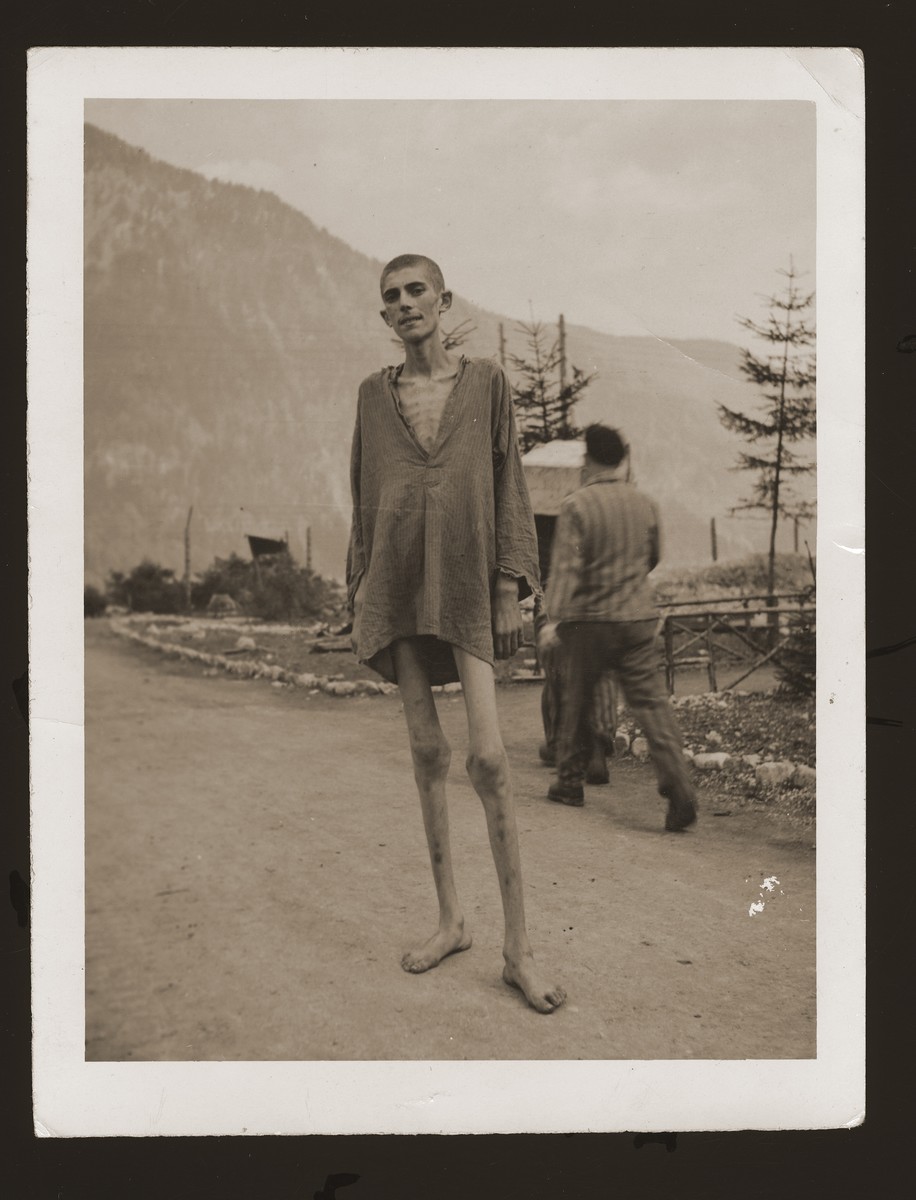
[524, 975]
[443, 943]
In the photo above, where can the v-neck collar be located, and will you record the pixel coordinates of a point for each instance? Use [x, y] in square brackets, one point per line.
[393, 375]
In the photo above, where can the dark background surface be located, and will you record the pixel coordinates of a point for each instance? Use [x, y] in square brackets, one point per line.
[792, 1163]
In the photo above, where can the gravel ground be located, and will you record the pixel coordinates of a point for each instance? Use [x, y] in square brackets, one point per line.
[773, 726]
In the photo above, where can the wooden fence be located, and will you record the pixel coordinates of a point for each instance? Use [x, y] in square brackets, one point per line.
[716, 633]
[748, 631]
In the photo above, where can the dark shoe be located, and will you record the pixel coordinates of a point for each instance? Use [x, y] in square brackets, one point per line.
[546, 755]
[572, 794]
[597, 771]
[680, 816]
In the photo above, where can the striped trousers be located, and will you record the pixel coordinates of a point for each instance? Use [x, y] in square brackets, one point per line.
[600, 716]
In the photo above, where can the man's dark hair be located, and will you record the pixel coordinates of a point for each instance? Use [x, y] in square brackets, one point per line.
[436, 278]
[605, 445]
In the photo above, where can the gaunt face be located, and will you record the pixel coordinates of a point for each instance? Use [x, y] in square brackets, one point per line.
[412, 304]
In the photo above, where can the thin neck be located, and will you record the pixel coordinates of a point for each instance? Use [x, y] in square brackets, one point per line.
[428, 358]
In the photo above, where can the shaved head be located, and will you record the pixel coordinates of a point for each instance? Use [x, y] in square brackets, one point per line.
[432, 269]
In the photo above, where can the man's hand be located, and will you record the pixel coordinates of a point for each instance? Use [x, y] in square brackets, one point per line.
[507, 618]
[357, 612]
[548, 642]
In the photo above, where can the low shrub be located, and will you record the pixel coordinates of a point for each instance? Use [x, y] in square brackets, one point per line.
[148, 588]
[272, 589]
[225, 576]
[94, 602]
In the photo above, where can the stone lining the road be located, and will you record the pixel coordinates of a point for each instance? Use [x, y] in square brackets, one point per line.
[773, 771]
[258, 669]
[255, 668]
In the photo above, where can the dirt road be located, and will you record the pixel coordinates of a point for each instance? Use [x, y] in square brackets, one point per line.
[256, 865]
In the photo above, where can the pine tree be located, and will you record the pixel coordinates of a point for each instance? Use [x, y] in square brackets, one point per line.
[796, 667]
[544, 403]
[458, 334]
[787, 411]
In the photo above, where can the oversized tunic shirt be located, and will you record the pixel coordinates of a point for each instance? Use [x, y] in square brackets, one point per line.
[431, 530]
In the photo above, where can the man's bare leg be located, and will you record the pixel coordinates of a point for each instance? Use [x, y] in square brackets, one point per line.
[431, 757]
[488, 768]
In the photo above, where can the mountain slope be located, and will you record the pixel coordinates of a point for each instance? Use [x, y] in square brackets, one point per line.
[225, 337]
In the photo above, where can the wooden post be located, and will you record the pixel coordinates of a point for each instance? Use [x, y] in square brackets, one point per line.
[502, 346]
[795, 533]
[772, 629]
[669, 656]
[811, 563]
[711, 654]
[562, 325]
[291, 603]
[712, 539]
[308, 547]
[187, 561]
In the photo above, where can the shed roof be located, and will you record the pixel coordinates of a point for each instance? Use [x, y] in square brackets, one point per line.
[552, 471]
[562, 453]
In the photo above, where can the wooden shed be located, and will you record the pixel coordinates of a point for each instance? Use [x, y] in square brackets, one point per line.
[552, 471]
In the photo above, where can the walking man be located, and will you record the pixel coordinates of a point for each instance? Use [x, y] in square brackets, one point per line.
[442, 549]
[602, 616]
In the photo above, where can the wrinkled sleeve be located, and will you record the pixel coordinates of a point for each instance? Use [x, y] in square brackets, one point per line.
[516, 538]
[356, 555]
[566, 562]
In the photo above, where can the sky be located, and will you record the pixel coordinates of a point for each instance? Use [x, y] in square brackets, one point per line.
[668, 218]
